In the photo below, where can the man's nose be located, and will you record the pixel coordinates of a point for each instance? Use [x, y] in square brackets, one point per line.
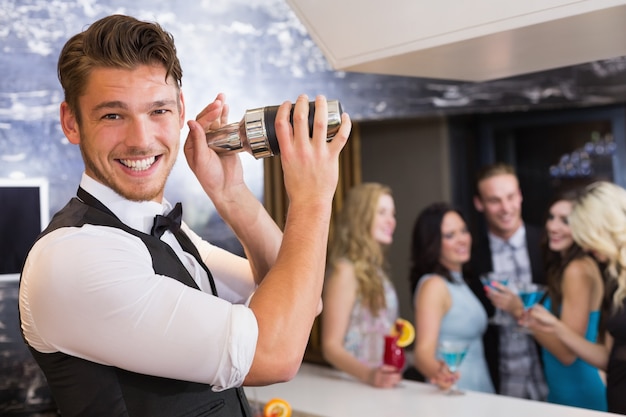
[138, 133]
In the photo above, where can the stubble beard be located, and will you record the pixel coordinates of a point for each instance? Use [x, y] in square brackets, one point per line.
[135, 192]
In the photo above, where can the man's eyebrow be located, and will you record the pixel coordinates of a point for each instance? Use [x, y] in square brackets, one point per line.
[162, 103]
[116, 104]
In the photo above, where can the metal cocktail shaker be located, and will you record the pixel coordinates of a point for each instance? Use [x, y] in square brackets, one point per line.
[255, 132]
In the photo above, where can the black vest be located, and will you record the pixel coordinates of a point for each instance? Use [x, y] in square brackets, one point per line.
[84, 388]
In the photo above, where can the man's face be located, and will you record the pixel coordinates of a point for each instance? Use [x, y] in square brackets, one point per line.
[130, 131]
[500, 200]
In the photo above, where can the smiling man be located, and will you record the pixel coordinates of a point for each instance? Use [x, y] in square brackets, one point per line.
[513, 247]
[128, 311]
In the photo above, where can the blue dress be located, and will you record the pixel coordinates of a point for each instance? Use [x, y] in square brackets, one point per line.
[466, 321]
[578, 384]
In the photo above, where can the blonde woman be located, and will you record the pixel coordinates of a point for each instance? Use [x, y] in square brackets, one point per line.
[360, 302]
[598, 224]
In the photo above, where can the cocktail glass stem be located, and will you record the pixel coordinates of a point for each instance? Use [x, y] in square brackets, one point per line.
[454, 390]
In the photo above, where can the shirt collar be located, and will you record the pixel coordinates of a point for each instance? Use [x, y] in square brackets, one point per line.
[517, 240]
[137, 214]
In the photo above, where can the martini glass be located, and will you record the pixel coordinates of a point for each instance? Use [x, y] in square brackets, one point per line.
[502, 278]
[530, 293]
[453, 352]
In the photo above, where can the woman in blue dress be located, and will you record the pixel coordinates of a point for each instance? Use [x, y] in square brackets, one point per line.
[575, 289]
[598, 223]
[445, 307]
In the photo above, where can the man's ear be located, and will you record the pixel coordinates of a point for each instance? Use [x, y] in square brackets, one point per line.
[69, 124]
[478, 205]
[182, 109]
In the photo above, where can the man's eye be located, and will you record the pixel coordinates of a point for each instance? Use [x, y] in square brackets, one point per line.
[111, 116]
[161, 111]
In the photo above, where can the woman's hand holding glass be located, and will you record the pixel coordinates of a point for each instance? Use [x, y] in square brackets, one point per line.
[531, 295]
[452, 352]
[540, 319]
[384, 376]
[444, 378]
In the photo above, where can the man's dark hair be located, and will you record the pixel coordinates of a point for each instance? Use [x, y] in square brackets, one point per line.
[115, 41]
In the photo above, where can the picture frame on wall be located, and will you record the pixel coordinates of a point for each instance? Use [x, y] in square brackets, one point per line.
[24, 213]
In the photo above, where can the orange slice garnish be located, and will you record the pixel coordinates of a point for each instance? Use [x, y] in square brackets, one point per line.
[277, 407]
[405, 332]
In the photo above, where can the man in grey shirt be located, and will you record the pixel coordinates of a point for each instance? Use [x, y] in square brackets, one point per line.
[511, 246]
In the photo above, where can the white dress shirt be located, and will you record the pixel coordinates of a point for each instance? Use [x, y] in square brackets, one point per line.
[91, 292]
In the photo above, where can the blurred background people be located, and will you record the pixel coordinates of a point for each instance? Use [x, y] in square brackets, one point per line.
[575, 291]
[360, 301]
[445, 307]
[508, 245]
[598, 224]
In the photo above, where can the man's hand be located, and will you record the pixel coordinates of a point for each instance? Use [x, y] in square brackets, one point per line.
[218, 174]
[287, 300]
[309, 162]
[504, 299]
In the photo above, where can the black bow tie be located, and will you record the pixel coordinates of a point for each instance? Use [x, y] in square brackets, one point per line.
[171, 221]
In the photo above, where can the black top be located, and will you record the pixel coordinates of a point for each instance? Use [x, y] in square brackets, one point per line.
[85, 388]
[616, 368]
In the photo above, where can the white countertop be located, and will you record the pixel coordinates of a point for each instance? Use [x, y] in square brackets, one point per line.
[322, 391]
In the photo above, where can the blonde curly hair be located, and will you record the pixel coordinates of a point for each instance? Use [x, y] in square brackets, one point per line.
[598, 223]
[352, 240]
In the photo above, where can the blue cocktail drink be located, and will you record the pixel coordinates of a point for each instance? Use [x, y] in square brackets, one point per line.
[488, 279]
[531, 298]
[453, 353]
[530, 294]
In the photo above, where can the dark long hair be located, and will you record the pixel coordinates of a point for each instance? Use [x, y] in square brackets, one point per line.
[555, 262]
[426, 243]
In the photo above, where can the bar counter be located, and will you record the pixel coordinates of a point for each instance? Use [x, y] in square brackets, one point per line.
[325, 392]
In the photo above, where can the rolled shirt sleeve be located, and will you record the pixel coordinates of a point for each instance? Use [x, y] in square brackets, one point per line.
[92, 293]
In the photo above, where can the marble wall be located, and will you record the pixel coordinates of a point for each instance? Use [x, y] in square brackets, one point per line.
[257, 53]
